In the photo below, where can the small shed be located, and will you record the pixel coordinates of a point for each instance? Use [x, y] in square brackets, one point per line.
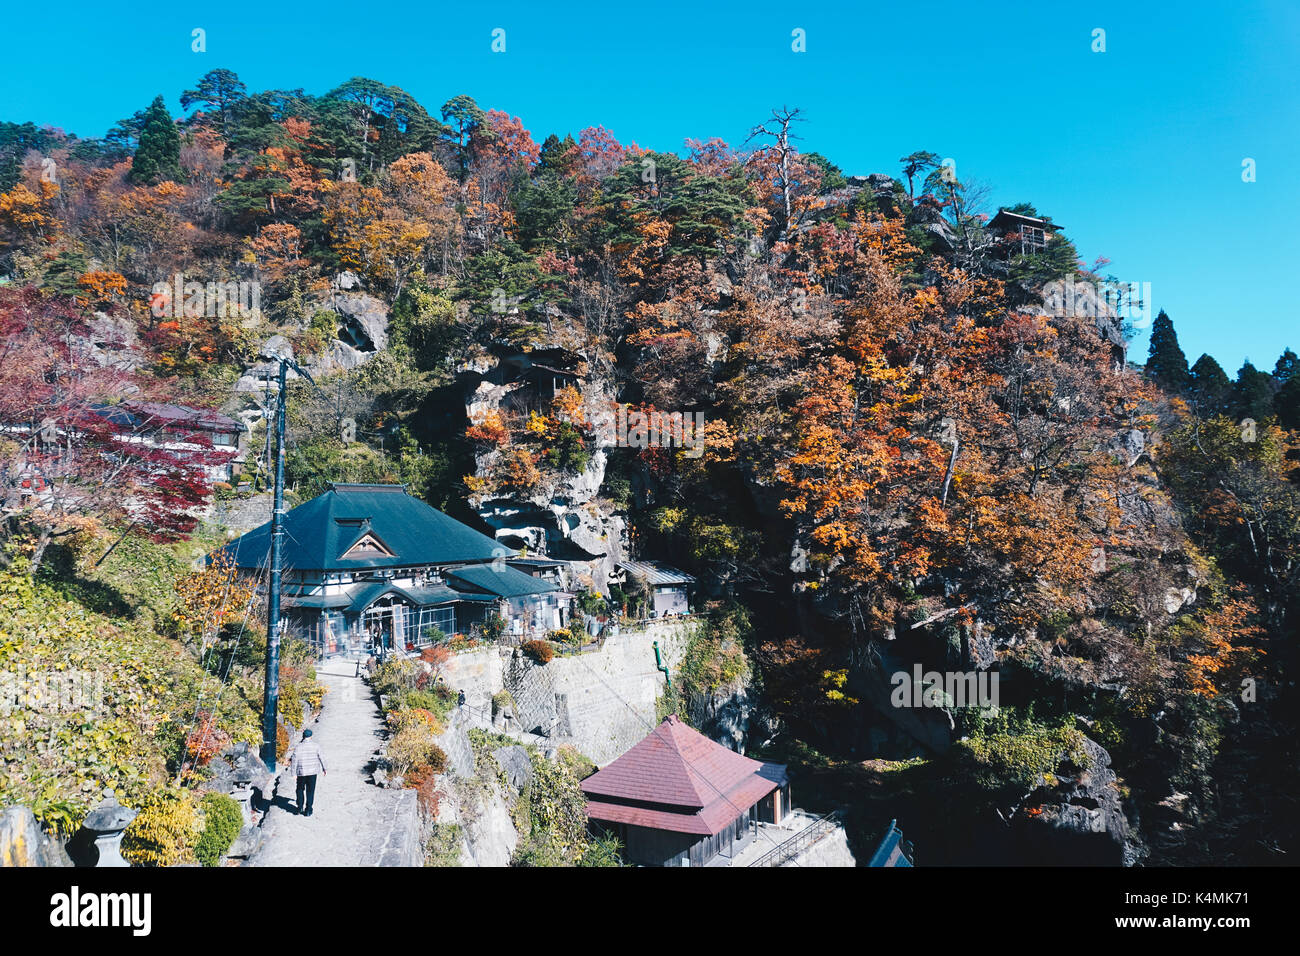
[680, 799]
[669, 587]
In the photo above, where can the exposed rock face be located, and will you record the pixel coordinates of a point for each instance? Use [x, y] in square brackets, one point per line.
[113, 342]
[235, 763]
[337, 357]
[276, 347]
[601, 702]
[488, 836]
[1080, 818]
[1129, 445]
[564, 516]
[363, 321]
[24, 843]
[932, 220]
[516, 764]
[727, 715]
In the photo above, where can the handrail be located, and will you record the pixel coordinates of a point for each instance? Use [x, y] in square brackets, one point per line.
[792, 847]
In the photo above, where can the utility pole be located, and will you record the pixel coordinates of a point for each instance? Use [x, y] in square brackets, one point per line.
[271, 693]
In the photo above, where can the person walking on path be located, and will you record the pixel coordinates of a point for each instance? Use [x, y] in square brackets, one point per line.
[307, 762]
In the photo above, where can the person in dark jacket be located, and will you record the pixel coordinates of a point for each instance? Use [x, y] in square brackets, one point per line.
[308, 761]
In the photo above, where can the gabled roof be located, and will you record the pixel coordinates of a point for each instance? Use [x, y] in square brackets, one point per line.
[319, 532]
[1005, 218]
[677, 779]
[499, 579]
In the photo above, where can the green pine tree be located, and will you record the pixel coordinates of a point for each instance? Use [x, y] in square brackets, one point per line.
[1210, 388]
[1166, 363]
[1253, 393]
[1287, 404]
[158, 156]
[1288, 364]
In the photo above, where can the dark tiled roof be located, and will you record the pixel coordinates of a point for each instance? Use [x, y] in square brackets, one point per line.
[361, 596]
[141, 415]
[677, 779]
[501, 580]
[318, 532]
[1005, 217]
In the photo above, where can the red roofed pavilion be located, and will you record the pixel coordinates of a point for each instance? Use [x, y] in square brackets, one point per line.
[679, 799]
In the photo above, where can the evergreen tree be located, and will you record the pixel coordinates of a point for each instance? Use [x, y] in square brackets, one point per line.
[158, 156]
[63, 273]
[1253, 393]
[1287, 364]
[1287, 404]
[1210, 387]
[556, 154]
[464, 118]
[1166, 363]
[219, 93]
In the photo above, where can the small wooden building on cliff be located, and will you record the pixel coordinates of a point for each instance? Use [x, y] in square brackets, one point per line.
[679, 799]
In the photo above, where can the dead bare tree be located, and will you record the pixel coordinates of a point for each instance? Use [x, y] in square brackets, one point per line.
[778, 129]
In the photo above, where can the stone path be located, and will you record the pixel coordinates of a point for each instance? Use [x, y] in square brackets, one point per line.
[354, 822]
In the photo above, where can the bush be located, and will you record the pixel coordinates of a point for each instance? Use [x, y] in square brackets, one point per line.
[222, 823]
[395, 676]
[564, 636]
[165, 831]
[606, 851]
[539, 651]
[502, 701]
[399, 720]
[412, 746]
[443, 848]
[423, 780]
[438, 701]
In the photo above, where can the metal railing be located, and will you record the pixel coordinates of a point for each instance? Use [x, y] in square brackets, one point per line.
[789, 849]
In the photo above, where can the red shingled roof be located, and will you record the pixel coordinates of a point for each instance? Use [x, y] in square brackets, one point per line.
[678, 779]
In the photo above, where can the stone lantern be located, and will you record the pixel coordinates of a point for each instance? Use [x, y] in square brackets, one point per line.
[107, 823]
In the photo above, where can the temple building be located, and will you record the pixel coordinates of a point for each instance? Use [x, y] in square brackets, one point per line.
[679, 799]
[369, 567]
[1023, 234]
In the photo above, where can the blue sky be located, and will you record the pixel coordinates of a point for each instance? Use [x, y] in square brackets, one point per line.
[1137, 150]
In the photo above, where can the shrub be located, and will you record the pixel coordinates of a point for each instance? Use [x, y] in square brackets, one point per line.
[437, 702]
[399, 720]
[395, 676]
[539, 651]
[517, 470]
[207, 739]
[164, 832]
[437, 655]
[606, 851]
[443, 848]
[552, 820]
[222, 821]
[493, 626]
[564, 636]
[502, 701]
[423, 780]
[412, 746]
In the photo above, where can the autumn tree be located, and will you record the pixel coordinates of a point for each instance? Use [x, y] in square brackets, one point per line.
[71, 456]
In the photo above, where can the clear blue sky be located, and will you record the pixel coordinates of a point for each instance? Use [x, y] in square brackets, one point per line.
[1137, 151]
